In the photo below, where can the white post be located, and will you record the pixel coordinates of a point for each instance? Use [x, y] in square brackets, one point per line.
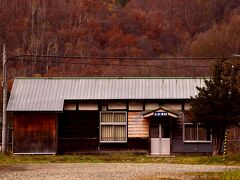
[4, 84]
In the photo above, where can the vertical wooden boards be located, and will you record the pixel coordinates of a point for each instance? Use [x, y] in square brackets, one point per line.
[35, 133]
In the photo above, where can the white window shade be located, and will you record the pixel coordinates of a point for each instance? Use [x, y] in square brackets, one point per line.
[113, 127]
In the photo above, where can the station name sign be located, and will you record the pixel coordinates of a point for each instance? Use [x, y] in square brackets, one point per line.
[160, 114]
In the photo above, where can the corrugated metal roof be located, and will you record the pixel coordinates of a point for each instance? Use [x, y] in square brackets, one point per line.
[48, 94]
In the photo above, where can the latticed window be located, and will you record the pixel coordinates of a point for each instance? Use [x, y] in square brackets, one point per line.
[113, 127]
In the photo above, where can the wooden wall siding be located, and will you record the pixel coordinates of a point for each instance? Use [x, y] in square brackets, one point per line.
[117, 106]
[151, 106]
[35, 133]
[173, 106]
[88, 106]
[135, 106]
[178, 146]
[177, 127]
[133, 144]
[138, 126]
[78, 131]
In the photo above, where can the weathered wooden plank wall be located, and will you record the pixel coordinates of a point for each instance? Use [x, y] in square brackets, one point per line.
[138, 126]
[78, 131]
[177, 127]
[35, 133]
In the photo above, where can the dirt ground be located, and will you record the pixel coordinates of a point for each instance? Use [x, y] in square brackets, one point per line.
[100, 171]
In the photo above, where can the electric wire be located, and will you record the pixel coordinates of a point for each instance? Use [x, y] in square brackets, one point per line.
[120, 57]
[123, 65]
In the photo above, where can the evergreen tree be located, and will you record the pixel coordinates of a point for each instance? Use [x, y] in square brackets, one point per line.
[217, 106]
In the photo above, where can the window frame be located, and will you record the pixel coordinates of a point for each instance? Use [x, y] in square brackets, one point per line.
[194, 141]
[112, 124]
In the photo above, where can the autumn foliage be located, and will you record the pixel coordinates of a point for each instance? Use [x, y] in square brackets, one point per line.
[153, 28]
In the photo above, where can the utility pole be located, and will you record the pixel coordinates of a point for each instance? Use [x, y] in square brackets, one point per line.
[4, 85]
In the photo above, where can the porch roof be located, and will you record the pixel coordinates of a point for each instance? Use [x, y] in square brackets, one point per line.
[159, 112]
[48, 94]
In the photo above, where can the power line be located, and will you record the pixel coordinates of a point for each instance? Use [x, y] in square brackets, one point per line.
[123, 65]
[120, 57]
[176, 59]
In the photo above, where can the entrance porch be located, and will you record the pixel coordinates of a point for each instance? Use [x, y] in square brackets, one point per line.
[160, 127]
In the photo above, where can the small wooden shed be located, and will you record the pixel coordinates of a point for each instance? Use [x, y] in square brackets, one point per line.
[62, 115]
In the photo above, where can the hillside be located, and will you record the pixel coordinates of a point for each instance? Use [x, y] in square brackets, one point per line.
[139, 28]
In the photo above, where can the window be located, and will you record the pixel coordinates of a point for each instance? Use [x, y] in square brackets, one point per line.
[117, 105]
[196, 133]
[154, 133]
[113, 127]
[135, 106]
[88, 106]
[70, 106]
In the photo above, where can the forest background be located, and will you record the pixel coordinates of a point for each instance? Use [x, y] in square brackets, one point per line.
[120, 28]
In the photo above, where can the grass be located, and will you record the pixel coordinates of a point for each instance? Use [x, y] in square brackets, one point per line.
[233, 159]
[226, 175]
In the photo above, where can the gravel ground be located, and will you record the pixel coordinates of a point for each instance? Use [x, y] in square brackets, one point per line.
[100, 171]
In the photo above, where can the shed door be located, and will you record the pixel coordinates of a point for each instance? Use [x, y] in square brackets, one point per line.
[35, 133]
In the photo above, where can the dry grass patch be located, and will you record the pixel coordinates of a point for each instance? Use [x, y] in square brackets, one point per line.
[233, 159]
